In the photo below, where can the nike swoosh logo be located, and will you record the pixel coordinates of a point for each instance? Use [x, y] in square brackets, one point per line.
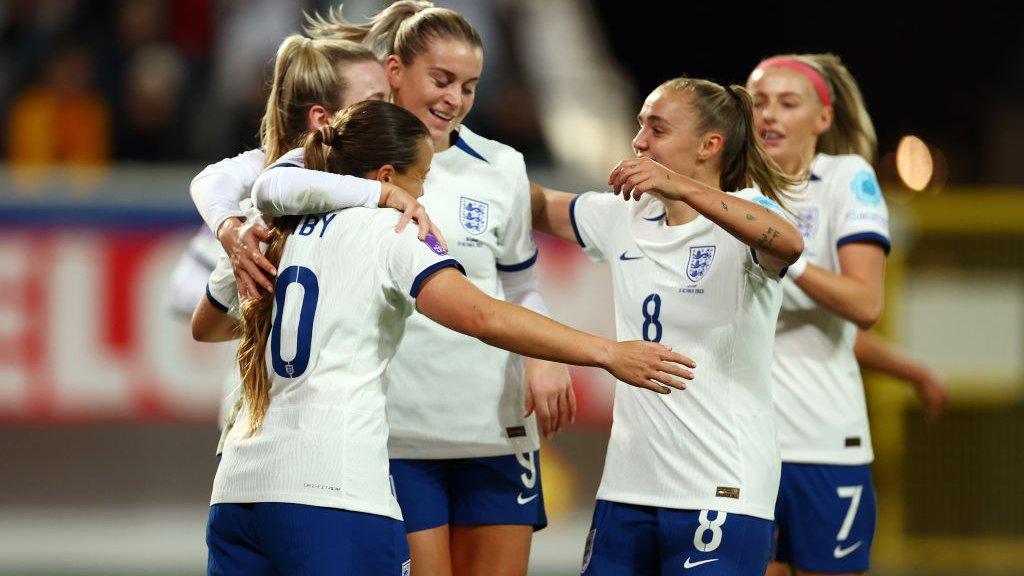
[522, 500]
[656, 218]
[687, 565]
[841, 552]
[623, 256]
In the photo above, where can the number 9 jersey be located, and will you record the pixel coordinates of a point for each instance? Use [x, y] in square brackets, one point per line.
[698, 289]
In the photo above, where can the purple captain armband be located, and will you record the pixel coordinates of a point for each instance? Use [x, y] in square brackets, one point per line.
[432, 242]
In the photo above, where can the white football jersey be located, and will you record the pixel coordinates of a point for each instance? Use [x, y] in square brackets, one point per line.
[819, 395]
[346, 284]
[698, 289]
[222, 293]
[449, 395]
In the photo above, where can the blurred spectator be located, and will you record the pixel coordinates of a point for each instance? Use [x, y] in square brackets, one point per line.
[150, 128]
[60, 119]
[141, 22]
[247, 35]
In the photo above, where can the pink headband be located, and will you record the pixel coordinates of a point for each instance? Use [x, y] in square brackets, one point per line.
[820, 86]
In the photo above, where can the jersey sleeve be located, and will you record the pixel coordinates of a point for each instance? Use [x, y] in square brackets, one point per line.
[191, 273]
[288, 189]
[221, 290]
[519, 251]
[760, 199]
[859, 210]
[592, 215]
[217, 190]
[410, 261]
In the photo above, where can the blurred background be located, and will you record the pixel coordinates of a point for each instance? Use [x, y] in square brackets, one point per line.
[109, 108]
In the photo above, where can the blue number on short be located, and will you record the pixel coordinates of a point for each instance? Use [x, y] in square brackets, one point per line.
[651, 317]
[311, 291]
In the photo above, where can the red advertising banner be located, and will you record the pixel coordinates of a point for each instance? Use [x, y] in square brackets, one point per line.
[86, 334]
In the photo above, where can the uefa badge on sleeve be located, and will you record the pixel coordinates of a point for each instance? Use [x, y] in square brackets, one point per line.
[473, 215]
[699, 263]
[865, 188]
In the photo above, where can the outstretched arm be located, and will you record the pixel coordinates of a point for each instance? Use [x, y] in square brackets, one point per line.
[452, 301]
[551, 211]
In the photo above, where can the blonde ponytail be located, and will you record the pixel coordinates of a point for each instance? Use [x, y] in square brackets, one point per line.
[404, 28]
[255, 330]
[306, 74]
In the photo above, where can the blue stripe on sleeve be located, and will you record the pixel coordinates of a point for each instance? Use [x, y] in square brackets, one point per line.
[422, 276]
[867, 237]
[521, 266]
[572, 218]
[214, 302]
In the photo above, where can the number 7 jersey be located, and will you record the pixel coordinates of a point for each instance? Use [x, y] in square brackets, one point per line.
[695, 288]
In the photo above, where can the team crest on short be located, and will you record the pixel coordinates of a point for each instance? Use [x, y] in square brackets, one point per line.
[699, 262]
[473, 215]
[865, 188]
[588, 549]
[807, 222]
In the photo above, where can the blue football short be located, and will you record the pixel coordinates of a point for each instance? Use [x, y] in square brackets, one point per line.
[825, 517]
[470, 491]
[628, 539]
[273, 538]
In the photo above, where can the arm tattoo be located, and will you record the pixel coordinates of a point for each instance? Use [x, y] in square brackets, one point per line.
[751, 217]
[725, 206]
[768, 238]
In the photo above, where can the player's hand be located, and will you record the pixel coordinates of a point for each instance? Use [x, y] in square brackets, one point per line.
[931, 389]
[635, 176]
[392, 196]
[241, 240]
[649, 365]
[549, 393]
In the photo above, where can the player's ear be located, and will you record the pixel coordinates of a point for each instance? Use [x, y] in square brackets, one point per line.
[385, 173]
[317, 117]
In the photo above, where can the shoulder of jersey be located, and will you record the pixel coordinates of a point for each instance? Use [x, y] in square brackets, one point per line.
[295, 157]
[842, 166]
[501, 156]
[757, 197]
[256, 156]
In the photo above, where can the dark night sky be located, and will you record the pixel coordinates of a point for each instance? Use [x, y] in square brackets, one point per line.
[952, 77]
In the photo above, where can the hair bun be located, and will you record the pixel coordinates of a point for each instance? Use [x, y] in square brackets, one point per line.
[328, 134]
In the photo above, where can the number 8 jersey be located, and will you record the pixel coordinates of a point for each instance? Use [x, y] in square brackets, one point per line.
[695, 288]
[346, 284]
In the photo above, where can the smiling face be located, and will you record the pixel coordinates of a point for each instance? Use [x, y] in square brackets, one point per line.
[438, 86]
[365, 80]
[668, 131]
[788, 116]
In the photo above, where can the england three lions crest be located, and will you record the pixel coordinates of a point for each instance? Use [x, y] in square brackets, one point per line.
[807, 222]
[700, 262]
[473, 215]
